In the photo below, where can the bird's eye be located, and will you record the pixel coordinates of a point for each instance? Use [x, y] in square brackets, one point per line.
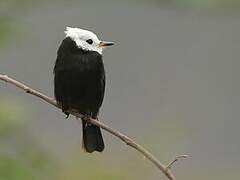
[89, 41]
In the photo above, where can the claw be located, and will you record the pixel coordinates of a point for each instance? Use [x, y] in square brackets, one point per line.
[86, 118]
[67, 115]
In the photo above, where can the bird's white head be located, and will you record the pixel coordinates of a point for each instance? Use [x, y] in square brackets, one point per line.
[86, 40]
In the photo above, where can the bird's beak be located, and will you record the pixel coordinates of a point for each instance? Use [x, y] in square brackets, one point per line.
[105, 44]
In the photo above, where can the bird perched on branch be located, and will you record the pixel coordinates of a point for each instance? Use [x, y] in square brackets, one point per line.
[79, 80]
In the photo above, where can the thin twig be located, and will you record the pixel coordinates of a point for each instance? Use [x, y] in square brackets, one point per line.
[169, 166]
[124, 138]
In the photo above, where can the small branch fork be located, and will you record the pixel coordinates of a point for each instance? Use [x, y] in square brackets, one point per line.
[165, 169]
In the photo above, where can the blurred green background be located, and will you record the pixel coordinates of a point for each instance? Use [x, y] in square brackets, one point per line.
[172, 85]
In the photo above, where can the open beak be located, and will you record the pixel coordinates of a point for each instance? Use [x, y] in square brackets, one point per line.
[105, 44]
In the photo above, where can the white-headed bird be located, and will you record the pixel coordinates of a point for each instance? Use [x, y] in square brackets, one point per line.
[79, 80]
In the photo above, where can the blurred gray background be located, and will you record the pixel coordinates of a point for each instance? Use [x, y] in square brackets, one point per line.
[172, 85]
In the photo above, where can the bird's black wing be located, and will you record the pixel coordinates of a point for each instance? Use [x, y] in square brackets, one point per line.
[80, 82]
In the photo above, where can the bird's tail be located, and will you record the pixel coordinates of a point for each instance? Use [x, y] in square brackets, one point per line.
[92, 138]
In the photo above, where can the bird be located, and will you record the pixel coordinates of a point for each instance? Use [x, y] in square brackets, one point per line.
[79, 81]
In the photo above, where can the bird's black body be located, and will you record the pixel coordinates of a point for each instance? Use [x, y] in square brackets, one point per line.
[79, 83]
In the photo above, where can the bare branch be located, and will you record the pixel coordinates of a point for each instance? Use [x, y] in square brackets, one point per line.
[124, 138]
[169, 166]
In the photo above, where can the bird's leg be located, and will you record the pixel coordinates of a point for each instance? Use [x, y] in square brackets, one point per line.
[86, 118]
[67, 115]
[65, 111]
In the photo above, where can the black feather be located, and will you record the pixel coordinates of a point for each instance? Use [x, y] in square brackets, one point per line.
[79, 81]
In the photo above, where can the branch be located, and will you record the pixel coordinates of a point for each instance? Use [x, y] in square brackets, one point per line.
[165, 169]
[169, 166]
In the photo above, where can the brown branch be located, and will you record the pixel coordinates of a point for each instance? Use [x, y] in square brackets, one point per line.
[165, 169]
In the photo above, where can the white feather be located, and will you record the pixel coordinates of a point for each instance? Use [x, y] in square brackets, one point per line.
[80, 36]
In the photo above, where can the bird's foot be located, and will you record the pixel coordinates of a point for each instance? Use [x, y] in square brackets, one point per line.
[67, 114]
[87, 118]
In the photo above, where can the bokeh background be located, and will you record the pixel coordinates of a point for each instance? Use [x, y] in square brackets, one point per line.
[172, 85]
